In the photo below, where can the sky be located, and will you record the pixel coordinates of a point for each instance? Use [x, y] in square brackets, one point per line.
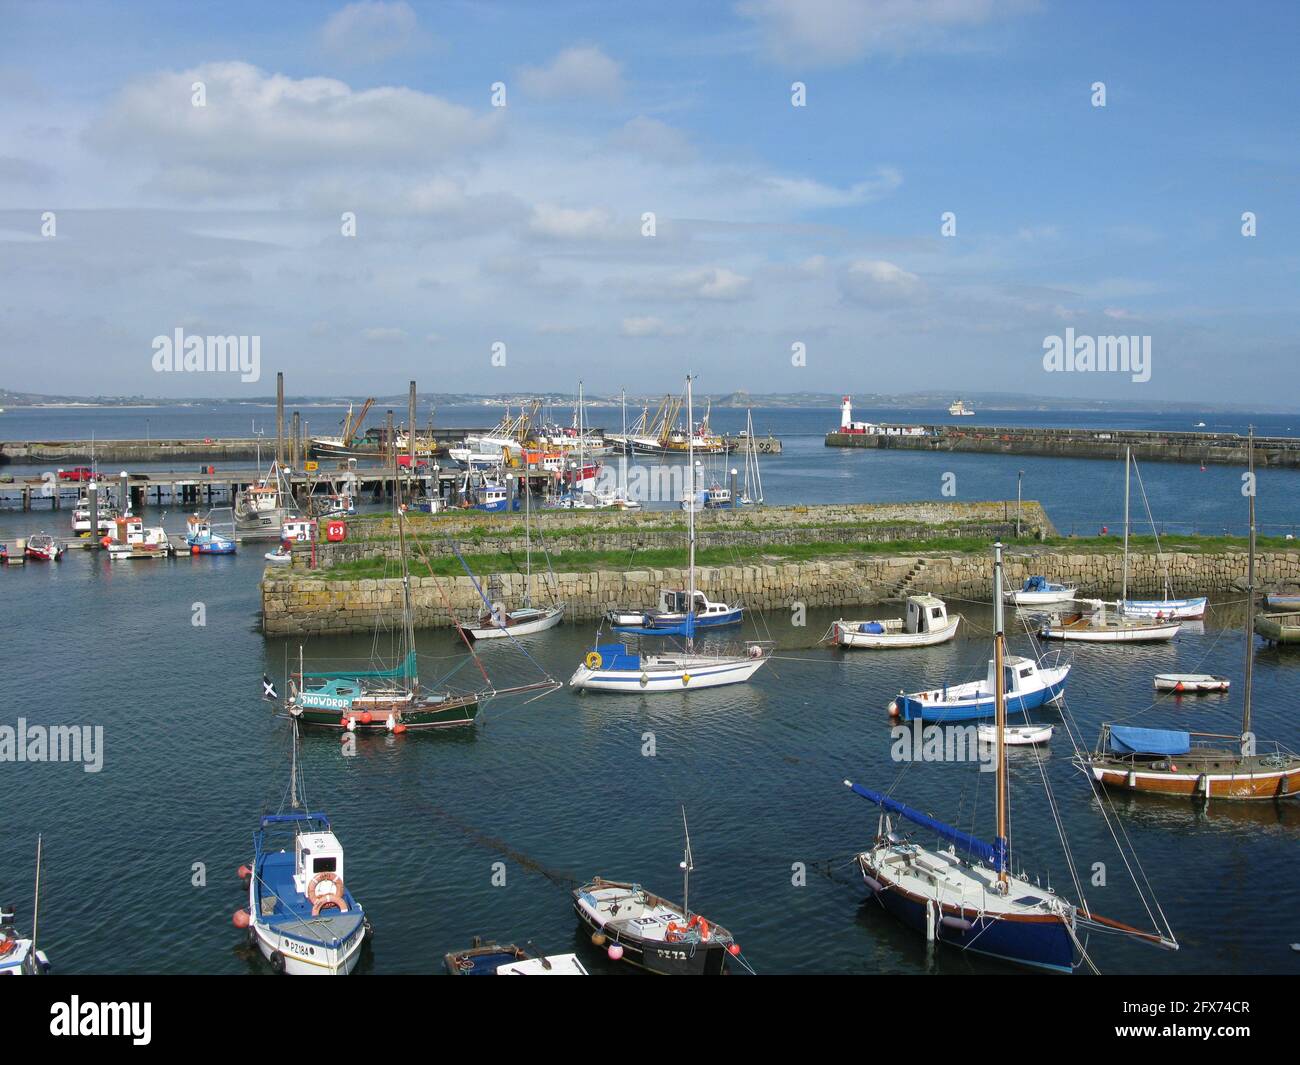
[625, 193]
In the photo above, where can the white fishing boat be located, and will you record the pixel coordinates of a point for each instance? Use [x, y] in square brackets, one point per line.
[134, 540]
[496, 622]
[1016, 735]
[1039, 591]
[613, 667]
[925, 624]
[1191, 683]
[1163, 609]
[260, 509]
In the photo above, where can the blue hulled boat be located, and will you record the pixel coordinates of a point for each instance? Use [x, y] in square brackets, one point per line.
[1025, 683]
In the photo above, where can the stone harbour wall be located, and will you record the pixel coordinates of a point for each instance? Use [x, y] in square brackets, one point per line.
[296, 604]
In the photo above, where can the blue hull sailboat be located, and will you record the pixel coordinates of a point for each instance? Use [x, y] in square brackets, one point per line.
[1026, 686]
[965, 895]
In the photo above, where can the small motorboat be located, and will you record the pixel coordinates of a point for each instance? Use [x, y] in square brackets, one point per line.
[669, 618]
[44, 548]
[522, 622]
[927, 623]
[1017, 735]
[203, 539]
[1164, 609]
[281, 556]
[1038, 591]
[496, 959]
[1105, 626]
[135, 541]
[1190, 683]
[1027, 686]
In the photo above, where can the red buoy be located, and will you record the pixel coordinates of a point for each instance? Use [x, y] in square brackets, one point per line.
[734, 950]
[365, 717]
[244, 872]
[241, 919]
[398, 729]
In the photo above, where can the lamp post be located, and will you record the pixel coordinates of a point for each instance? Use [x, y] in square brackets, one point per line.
[1019, 475]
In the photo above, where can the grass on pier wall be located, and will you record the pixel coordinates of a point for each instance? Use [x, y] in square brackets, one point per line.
[586, 561]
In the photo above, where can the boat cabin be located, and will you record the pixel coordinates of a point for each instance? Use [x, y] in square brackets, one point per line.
[316, 853]
[673, 601]
[1018, 675]
[925, 613]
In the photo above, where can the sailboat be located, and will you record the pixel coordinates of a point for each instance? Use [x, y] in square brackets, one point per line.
[1120, 625]
[615, 667]
[20, 956]
[967, 896]
[1168, 607]
[642, 929]
[751, 490]
[389, 699]
[1202, 764]
[526, 619]
[622, 499]
[301, 915]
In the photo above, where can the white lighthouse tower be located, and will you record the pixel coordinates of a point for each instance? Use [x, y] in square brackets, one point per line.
[846, 412]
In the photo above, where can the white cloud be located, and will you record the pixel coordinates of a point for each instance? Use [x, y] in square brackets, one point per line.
[831, 32]
[565, 223]
[807, 193]
[875, 282]
[384, 335]
[716, 283]
[653, 139]
[644, 327]
[583, 71]
[371, 30]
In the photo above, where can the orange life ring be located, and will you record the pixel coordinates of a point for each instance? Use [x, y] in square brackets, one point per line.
[335, 899]
[6, 945]
[674, 933]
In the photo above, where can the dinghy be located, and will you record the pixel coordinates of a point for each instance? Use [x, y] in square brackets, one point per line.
[926, 623]
[1106, 626]
[1282, 600]
[1279, 628]
[496, 959]
[1190, 683]
[1017, 735]
[1038, 591]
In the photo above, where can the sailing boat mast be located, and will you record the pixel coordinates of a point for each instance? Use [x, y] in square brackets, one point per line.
[1000, 718]
[293, 765]
[1250, 594]
[624, 444]
[690, 519]
[688, 863]
[1128, 465]
[528, 534]
[410, 665]
[36, 902]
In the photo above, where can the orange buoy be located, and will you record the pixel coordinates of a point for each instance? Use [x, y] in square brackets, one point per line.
[398, 729]
[365, 717]
[194, 549]
[734, 950]
[241, 919]
[243, 872]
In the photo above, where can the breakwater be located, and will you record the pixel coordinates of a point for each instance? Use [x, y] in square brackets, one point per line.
[1148, 446]
[305, 603]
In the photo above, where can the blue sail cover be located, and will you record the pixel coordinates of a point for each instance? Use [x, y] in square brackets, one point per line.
[995, 854]
[685, 627]
[1035, 584]
[1124, 739]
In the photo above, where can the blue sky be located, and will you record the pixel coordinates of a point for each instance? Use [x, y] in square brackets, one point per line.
[775, 224]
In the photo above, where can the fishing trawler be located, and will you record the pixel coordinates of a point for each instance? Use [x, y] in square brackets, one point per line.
[1202, 764]
[203, 538]
[260, 509]
[967, 895]
[301, 916]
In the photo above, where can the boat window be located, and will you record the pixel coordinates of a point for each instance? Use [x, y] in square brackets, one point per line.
[1026, 671]
[936, 612]
[324, 865]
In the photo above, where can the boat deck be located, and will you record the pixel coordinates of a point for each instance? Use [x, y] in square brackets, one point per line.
[281, 905]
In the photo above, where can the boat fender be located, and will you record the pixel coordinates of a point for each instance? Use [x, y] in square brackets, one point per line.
[959, 923]
[734, 950]
[597, 939]
[243, 872]
[1132, 779]
[893, 708]
[241, 919]
[365, 717]
[645, 679]
[931, 920]
[755, 651]
[352, 724]
[295, 710]
[277, 961]
[593, 660]
[389, 723]
[875, 885]
[398, 729]
[1203, 784]
[615, 951]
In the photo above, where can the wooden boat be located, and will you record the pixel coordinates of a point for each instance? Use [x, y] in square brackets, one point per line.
[967, 896]
[1017, 735]
[1279, 628]
[642, 929]
[496, 959]
[1039, 591]
[301, 916]
[925, 624]
[1190, 683]
[1200, 764]
[1106, 626]
[44, 548]
[614, 667]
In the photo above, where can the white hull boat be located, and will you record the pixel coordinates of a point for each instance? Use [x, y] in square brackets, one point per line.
[927, 623]
[1191, 683]
[1017, 735]
[1039, 591]
[1164, 609]
[1107, 627]
[522, 622]
[611, 669]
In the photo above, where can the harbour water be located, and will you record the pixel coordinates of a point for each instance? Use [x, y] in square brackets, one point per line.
[140, 858]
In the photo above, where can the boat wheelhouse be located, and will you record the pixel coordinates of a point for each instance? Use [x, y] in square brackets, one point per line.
[135, 541]
[925, 623]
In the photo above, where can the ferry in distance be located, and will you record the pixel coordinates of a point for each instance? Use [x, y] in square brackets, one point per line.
[958, 409]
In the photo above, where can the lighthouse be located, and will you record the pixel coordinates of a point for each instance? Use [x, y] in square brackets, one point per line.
[846, 413]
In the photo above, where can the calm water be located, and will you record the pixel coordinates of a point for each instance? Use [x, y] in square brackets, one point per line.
[558, 789]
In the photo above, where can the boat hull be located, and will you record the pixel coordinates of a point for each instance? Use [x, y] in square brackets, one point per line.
[846, 637]
[701, 674]
[1261, 785]
[303, 958]
[1041, 942]
[450, 713]
[1111, 634]
[981, 708]
[1279, 628]
[666, 959]
[548, 619]
[1063, 595]
[1184, 609]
